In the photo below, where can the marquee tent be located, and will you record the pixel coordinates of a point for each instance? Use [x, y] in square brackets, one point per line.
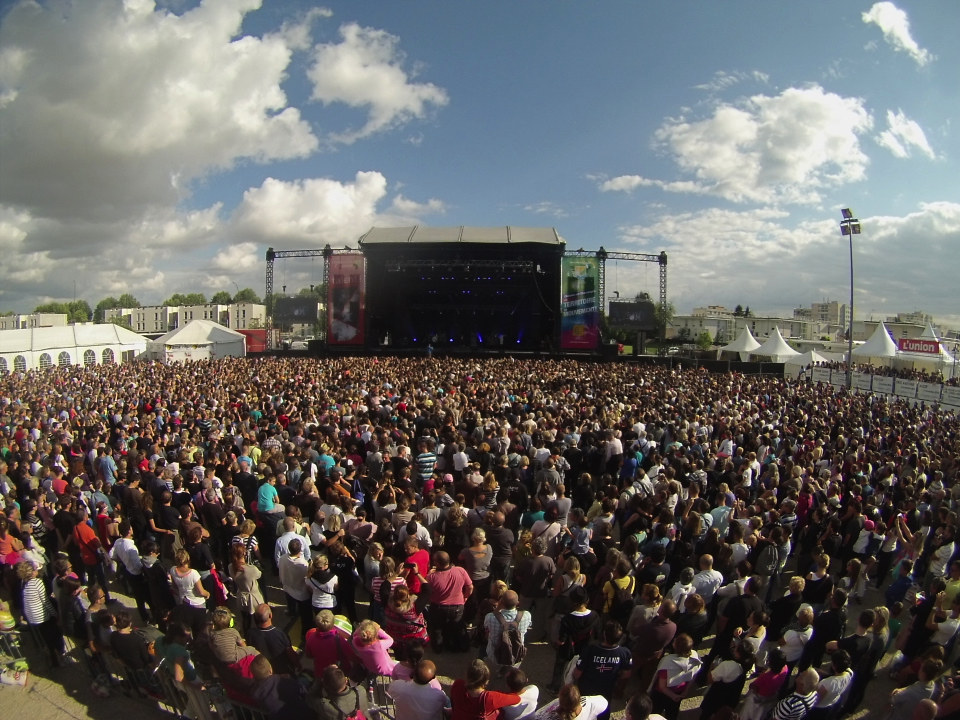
[87, 345]
[198, 340]
[931, 362]
[775, 348]
[880, 345]
[793, 366]
[744, 345]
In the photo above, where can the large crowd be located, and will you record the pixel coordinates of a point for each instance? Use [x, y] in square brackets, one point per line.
[919, 374]
[669, 534]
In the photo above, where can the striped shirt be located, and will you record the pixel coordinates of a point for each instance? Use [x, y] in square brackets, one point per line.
[794, 707]
[37, 608]
[425, 462]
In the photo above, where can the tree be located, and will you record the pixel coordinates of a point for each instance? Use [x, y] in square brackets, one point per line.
[746, 312]
[704, 340]
[76, 310]
[255, 323]
[100, 312]
[7, 313]
[247, 295]
[738, 311]
[122, 321]
[663, 315]
[319, 291]
[221, 298]
[683, 335]
[641, 296]
[189, 299]
[128, 301]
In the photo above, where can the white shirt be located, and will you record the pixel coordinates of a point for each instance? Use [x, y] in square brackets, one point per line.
[590, 707]
[527, 705]
[835, 685]
[282, 546]
[125, 552]
[945, 631]
[423, 702]
[938, 563]
[292, 573]
[706, 583]
[795, 640]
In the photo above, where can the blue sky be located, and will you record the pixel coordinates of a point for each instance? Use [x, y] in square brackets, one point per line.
[161, 148]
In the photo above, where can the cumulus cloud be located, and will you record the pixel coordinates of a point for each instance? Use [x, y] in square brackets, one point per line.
[366, 70]
[243, 256]
[895, 25]
[779, 262]
[405, 206]
[784, 148]
[119, 105]
[902, 135]
[547, 208]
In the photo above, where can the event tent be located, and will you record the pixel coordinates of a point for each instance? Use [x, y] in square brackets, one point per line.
[744, 345]
[796, 364]
[198, 340]
[941, 361]
[880, 345]
[40, 348]
[775, 348]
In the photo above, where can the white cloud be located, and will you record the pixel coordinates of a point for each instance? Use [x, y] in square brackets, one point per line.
[117, 106]
[767, 149]
[895, 25]
[404, 206]
[902, 134]
[547, 208]
[722, 79]
[243, 256]
[774, 262]
[365, 70]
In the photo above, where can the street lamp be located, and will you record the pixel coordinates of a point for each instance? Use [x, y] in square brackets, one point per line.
[850, 226]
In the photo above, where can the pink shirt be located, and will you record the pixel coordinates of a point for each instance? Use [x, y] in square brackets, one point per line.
[374, 656]
[402, 672]
[447, 586]
[769, 683]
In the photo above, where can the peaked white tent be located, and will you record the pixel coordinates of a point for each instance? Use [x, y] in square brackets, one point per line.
[198, 340]
[880, 345]
[942, 360]
[793, 366]
[744, 345]
[775, 348]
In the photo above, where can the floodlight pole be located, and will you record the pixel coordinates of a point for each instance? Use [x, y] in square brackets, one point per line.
[850, 226]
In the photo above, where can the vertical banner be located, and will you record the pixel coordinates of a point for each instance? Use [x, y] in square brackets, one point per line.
[346, 300]
[579, 304]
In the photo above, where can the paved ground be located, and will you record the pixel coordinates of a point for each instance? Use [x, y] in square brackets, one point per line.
[55, 693]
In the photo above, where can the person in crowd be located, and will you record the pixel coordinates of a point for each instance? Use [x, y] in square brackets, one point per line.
[282, 697]
[673, 676]
[505, 613]
[831, 688]
[246, 577]
[449, 586]
[188, 589]
[370, 646]
[404, 623]
[604, 668]
[270, 640]
[421, 695]
[334, 697]
[572, 705]
[726, 680]
[471, 700]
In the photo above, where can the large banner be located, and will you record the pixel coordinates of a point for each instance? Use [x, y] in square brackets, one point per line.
[919, 345]
[579, 304]
[861, 381]
[633, 316]
[930, 392]
[905, 388]
[883, 385]
[821, 375]
[346, 300]
[951, 396]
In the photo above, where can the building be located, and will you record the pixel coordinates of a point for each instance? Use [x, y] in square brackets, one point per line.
[864, 329]
[914, 318]
[828, 312]
[161, 319]
[712, 311]
[33, 320]
[725, 330]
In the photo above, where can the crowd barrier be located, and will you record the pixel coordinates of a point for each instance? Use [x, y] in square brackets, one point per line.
[928, 392]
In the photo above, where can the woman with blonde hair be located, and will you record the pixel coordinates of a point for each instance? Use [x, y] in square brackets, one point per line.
[371, 646]
[187, 588]
[322, 583]
[247, 578]
[404, 623]
[645, 610]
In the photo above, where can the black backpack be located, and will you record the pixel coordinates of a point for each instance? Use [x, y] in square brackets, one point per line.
[623, 604]
[510, 650]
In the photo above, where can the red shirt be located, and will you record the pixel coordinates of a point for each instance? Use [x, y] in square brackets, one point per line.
[88, 541]
[60, 485]
[422, 560]
[327, 648]
[466, 707]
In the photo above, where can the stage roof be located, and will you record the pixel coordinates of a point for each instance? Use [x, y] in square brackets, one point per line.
[461, 234]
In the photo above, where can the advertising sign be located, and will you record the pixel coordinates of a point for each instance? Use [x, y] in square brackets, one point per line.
[919, 345]
[838, 378]
[930, 392]
[905, 388]
[821, 375]
[346, 300]
[633, 316]
[579, 304]
[883, 385]
[951, 396]
[861, 381]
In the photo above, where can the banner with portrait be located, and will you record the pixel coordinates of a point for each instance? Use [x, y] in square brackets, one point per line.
[346, 299]
[579, 303]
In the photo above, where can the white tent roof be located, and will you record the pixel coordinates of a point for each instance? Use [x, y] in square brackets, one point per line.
[40, 339]
[879, 345]
[745, 342]
[200, 332]
[929, 333]
[775, 347]
[812, 357]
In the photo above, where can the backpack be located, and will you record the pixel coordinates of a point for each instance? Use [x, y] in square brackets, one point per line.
[622, 605]
[510, 650]
[357, 713]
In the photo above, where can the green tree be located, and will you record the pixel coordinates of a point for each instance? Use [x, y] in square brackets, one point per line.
[641, 296]
[128, 301]
[704, 340]
[746, 312]
[255, 323]
[221, 298]
[174, 300]
[738, 311]
[122, 321]
[247, 295]
[683, 335]
[663, 315]
[100, 312]
[196, 299]
[319, 291]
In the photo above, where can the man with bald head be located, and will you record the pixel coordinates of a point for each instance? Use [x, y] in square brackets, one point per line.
[500, 539]
[450, 586]
[419, 697]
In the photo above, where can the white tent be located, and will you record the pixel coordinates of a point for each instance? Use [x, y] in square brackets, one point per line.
[198, 340]
[775, 348]
[942, 360]
[880, 345]
[87, 345]
[793, 366]
[744, 345]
